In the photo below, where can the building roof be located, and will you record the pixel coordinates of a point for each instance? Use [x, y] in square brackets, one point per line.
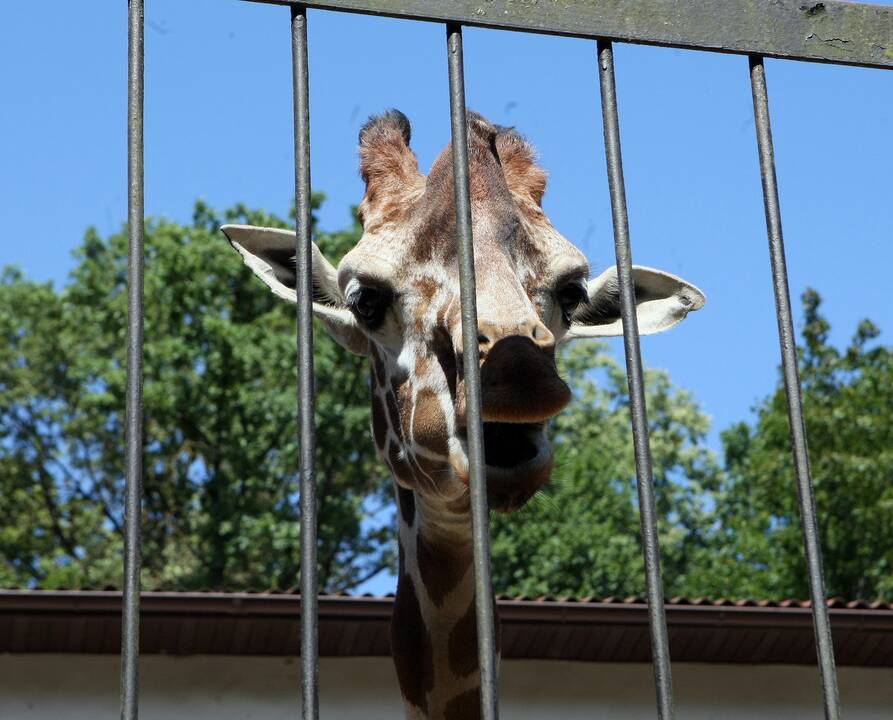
[603, 630]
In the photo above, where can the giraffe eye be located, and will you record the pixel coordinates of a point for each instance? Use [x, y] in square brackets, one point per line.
[369, 304]
[570, 297]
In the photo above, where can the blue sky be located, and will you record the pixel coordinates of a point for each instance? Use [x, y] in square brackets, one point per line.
[218, 126]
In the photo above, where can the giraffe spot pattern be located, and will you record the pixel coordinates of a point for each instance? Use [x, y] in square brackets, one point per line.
[379, 423]
[465, 706]
[399, 467]
[442, 347]
[406, 500]
[427, 287]
[429, 477]
[394, 415]
[459, 505]
[441, 568]
[411, 646]
[463, 644]
[378, 368]
[419, 220]
[421, 366]
[429, 422]
[432, 472]
[462, 652]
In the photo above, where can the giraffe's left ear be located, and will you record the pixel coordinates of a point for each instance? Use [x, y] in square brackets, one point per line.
[270, 253]
[387, 165]
[662, 301]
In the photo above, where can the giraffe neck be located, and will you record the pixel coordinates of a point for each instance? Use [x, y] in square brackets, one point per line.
[433, 629]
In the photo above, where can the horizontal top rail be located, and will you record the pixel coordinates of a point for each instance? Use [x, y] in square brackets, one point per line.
[844, 33]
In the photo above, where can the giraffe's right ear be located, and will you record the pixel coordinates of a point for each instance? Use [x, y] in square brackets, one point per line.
[270, 253]
[387, 165]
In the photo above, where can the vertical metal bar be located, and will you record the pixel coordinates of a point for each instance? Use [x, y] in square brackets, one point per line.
[306, 398]
[130, 621]
[483, 589]
[791, 374]
[660, 653]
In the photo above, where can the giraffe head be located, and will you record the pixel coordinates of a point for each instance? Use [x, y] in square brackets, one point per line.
[395, 298]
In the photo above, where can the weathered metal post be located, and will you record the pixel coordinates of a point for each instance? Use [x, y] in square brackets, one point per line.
[130, 622]
[793, 390]
[660, 651]
[306, 394]
[483, 590]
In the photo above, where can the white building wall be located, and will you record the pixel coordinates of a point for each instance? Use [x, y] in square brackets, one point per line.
[85, 687]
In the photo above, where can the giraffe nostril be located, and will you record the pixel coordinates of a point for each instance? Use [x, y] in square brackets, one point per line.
[541, 335]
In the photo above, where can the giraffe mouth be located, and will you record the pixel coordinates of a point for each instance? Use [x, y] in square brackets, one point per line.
[519, 462]
[510, 445]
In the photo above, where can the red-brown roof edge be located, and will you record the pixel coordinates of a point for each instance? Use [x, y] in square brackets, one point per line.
[266, 624]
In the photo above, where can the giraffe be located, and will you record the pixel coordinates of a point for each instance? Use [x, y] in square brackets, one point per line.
[395, 299]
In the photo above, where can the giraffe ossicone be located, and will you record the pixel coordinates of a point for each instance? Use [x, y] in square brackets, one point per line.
[395, 298]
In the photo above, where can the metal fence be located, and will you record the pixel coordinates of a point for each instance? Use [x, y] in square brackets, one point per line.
[834, 32]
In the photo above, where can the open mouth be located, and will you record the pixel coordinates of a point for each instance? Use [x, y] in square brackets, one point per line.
[519, 461]
[511, 445]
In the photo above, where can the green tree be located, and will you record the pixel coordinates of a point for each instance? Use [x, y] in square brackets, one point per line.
[220, 500]
[848, 408]
[580, 536]
[219, 507]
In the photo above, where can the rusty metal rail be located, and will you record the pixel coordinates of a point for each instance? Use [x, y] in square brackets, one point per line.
[844, 33]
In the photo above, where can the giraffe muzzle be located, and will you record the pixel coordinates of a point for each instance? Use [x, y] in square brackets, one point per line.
[520, 384]
[521, 391]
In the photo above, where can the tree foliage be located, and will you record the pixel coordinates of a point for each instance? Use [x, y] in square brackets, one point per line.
[848, 408]
[220, 484]
[219, 481]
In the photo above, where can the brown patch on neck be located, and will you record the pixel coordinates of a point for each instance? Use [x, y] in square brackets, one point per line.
[379, 375]
[400, 468]
[443, 350]
[379, 422]
[394, 414]
[429, 424]
[463, 641]
[411, 646]
[461, 505]
[463, 644]
[435, 470]
[441, 566]
[406, 501]
[466, 706]
[423, 477]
